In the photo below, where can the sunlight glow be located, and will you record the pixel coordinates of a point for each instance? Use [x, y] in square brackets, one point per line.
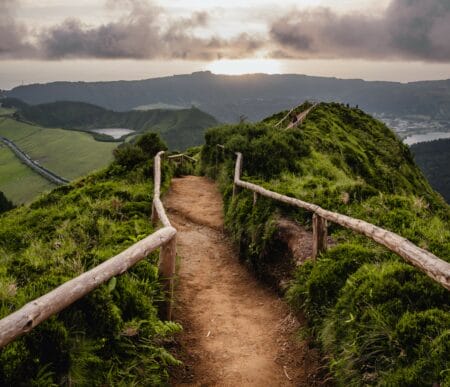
[245, 66]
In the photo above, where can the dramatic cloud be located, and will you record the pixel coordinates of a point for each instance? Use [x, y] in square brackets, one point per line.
[407, 29]
[146, 32]
[12, 35]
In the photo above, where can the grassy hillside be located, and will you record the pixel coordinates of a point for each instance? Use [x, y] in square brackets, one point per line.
[112, 336]
[179, 128]
[17, 181]
[69, 154]
[381, 321]
[434, 159]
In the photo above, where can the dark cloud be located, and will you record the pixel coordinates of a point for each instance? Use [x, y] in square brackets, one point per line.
[407, 29]
[12, 35]
[137, 35]
[146, 32]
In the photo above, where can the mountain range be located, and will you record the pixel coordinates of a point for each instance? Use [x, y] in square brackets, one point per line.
[230, 98]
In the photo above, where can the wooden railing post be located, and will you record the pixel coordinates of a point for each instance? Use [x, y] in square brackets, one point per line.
[255, 198]
[237, 174]
[320, 235]
[431, 265]
[42, 308]
[156, 188]
[167, 260]
[154, 217]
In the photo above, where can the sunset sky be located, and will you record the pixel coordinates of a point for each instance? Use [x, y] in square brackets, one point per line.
[48, 40]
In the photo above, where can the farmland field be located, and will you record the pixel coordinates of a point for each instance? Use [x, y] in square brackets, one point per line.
[17, 181]
[6, 111]
[70, 154]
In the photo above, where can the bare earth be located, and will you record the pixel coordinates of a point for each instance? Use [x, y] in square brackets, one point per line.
[236, 332]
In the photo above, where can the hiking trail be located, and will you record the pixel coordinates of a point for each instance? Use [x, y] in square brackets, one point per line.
[237, 332]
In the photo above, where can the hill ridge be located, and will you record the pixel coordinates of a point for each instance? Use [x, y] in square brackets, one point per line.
[227, 97]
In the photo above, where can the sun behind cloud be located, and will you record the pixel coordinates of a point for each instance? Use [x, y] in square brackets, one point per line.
[245, 66]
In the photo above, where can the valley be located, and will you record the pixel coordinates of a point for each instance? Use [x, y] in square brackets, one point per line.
[69, 154]
[72, 139]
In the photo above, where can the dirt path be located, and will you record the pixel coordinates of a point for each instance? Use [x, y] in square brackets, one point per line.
[236, 332]
[301, 117]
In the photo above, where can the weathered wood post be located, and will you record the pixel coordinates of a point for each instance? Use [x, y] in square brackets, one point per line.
[156, 188]
[167, 261]
[237, 173]
[320, 235]
[255, 198]
[154, 217]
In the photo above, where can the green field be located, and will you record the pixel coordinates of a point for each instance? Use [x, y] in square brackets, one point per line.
[6, 111]
[69, 154]
[17, 181]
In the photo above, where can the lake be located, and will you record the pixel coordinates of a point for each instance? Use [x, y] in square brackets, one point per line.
[115, 133]
[416, 138]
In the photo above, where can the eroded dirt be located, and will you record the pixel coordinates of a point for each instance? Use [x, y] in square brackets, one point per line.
[236, 331]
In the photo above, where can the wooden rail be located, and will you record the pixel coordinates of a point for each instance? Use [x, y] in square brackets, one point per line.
[182, 156]
[42, 308]
[167, 255]
[431, 265]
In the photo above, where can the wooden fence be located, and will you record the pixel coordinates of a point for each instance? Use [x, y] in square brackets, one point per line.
[434, 267]
[42, 308]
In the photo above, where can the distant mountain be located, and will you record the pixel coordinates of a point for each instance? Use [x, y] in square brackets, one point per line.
[434, 159]
[254, 96]
[179, 128]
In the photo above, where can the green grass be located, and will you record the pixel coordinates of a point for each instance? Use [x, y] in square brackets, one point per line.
[69, 154]
[6, 111]
[363, 303]
[179, 128]
[17, 181]
[113, 336]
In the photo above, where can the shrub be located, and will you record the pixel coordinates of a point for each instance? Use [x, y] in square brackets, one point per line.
[363, 303]
[267, 151]
[145, 148]
[370, 328]
[113, 336]
[318, 285]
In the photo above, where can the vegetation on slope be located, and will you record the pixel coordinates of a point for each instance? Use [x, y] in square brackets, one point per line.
[433, 158]
[381, 321]
[67, 153]
[179, 128]
[112, 336]
[5, 204]
[19, 182]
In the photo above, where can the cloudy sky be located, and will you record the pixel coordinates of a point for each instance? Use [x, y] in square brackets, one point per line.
[49, 40]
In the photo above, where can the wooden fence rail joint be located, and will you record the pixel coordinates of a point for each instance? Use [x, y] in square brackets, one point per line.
[42, 308]
[434, 267]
